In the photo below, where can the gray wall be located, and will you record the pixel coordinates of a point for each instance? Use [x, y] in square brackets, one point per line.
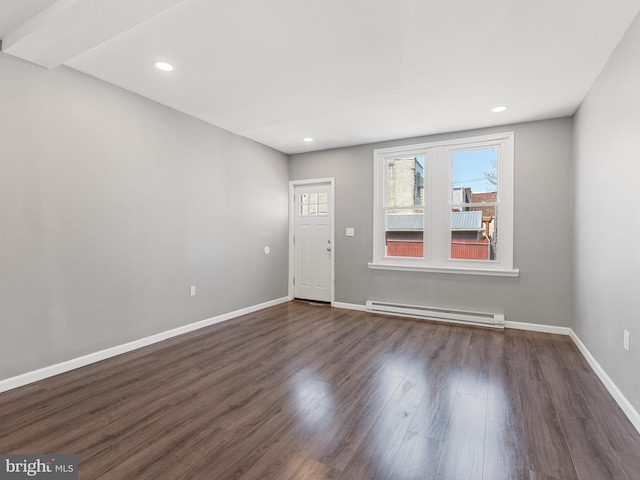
[606, 179]
[111, 206]
[542, 238]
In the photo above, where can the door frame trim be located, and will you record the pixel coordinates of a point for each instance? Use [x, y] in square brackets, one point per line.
[330, 181]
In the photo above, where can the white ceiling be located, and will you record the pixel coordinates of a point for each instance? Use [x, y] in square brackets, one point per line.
[344, 72]
[14, 13]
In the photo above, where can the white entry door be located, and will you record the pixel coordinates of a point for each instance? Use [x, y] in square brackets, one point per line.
[312, 241]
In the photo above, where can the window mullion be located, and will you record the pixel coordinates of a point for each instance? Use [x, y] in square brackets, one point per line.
[440, 206]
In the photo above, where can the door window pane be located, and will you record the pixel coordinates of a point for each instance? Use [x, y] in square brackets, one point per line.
[313, 204]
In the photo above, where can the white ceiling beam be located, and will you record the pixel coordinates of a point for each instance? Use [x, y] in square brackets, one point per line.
[71, 27]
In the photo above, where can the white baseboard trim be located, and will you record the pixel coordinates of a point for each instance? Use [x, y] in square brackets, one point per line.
[50, 371]
[615, 392]
[537, 327]
[349, 306]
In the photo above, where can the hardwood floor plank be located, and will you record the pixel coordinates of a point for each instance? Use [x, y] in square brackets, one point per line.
[283, 452]
[303, 468]
[565, 393]
[620, 433]
[434, 411]
[526, 359]
[454, 345]
[415, 385]
[249, 448]
[436, 338]
[474, 379]
[133, 436]
[347, 432]
[593, 456]
[364, 356]
[416, 381]
[463, 450]
[193, 459]
[630, 464]
[378, 448]
[417, 458]
[546, 444]
[503, 394]
[505, 453]
[540, 476]
[167, 456]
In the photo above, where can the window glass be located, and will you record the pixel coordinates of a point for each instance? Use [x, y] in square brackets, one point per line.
[473, 171]
[474, 234]
[404, 182]
[474, 195]
[404, 233]
[404, 212]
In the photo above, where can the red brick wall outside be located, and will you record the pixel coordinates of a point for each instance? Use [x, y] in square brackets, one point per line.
[404, 248]
[460, 249]
[470, 249]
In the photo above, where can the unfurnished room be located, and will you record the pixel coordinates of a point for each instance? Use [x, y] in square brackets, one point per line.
[295, 240]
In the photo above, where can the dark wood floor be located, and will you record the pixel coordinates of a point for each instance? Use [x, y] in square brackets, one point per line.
[309, 392]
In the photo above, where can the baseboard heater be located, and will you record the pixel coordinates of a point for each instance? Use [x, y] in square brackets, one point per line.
[467, 317]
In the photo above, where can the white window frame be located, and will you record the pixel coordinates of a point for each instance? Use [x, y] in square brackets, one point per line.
[438, 204]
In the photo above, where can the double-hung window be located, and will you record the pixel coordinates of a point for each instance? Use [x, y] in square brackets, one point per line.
[445, 206]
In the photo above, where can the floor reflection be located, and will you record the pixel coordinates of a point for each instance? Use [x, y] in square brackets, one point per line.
[308, 394]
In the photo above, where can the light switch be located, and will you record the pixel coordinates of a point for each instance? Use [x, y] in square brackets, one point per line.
[350, 232]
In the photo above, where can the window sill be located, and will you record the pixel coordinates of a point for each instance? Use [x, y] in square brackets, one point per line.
[490, 272]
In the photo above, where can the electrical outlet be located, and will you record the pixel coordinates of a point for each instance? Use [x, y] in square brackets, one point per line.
[625, 342]
[193, 290]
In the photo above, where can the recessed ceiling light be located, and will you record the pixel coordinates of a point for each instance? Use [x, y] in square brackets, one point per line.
[499, 109]
[164, 66]
[308, 139]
